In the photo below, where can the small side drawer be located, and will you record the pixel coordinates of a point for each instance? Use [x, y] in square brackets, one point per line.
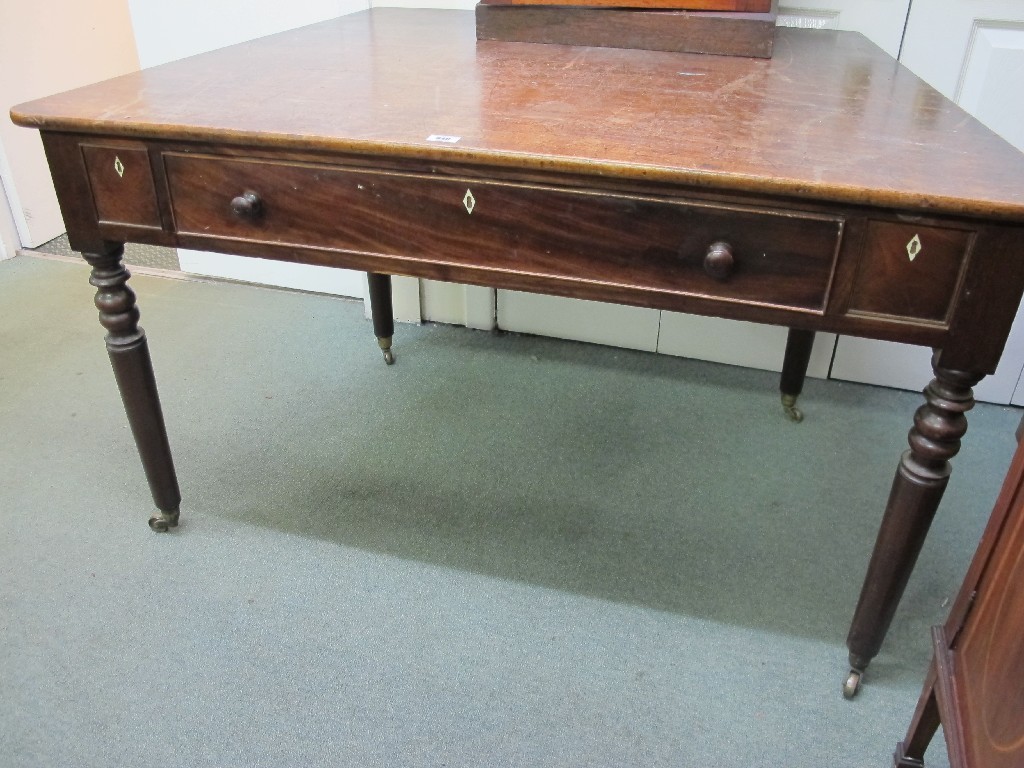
[910, 271]
[122, 185]
[775, 258]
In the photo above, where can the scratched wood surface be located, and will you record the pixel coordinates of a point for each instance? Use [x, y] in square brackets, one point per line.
[829, 117]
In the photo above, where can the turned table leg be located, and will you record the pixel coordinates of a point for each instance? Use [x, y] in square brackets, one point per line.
[133, 371]
[920, 481]
[382, 312]
[799, 344]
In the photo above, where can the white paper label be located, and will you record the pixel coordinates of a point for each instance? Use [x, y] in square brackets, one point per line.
[443, 139]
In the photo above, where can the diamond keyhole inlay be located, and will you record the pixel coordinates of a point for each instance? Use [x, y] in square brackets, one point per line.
[119, 167]
[914, 247]
[469, 201]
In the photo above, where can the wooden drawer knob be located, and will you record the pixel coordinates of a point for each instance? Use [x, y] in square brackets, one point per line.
[719, 262]
[248, 206]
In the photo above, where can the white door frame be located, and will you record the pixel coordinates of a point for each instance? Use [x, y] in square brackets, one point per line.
[10, 239]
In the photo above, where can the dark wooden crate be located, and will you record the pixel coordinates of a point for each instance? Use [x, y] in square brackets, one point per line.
[741, 6]
[723, 33]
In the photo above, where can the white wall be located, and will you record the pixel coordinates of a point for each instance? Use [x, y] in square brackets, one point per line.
[48, 46]
[881, 21]
[166, 31]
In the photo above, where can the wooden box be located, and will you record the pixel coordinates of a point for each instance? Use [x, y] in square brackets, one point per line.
[681, 31]
[740, 6]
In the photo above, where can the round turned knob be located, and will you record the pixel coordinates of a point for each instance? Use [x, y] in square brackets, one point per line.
[719, 262]
[247, 206]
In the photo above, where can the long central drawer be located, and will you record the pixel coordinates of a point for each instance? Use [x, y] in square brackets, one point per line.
[766, 257]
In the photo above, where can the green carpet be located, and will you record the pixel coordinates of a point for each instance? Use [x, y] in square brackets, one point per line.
[501, 551]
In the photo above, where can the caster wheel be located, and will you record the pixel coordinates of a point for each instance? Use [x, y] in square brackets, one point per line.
[793, 413]
[852, 684]
[163, 521]
[389, 357]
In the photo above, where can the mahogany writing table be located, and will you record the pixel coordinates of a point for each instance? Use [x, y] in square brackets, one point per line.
[827, 188]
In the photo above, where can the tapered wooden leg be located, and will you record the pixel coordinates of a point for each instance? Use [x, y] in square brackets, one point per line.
[799, 344]
[910, 752]
[133, 371]
[382, 312]
[920, 481]
[900, 759]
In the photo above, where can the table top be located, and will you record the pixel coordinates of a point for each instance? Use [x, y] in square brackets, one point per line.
[830, 117]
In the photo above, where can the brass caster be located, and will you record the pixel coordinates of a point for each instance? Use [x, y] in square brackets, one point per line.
[164, 520]
[852, 684]
[385, 347]
[792, 412]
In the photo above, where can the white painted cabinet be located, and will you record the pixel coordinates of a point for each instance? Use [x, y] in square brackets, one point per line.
[973, 52]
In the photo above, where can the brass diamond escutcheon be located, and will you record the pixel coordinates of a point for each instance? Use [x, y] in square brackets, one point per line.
[469, 201]
[914, 247]
[119, 167]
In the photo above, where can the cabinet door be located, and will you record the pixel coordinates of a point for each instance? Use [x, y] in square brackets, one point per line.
[973, 52]
[9, 240]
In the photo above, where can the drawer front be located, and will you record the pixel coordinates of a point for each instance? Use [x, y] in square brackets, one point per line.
[777, 258]
[909, 271]
[122, 184]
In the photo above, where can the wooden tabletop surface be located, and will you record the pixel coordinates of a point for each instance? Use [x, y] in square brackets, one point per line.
[829, 117]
